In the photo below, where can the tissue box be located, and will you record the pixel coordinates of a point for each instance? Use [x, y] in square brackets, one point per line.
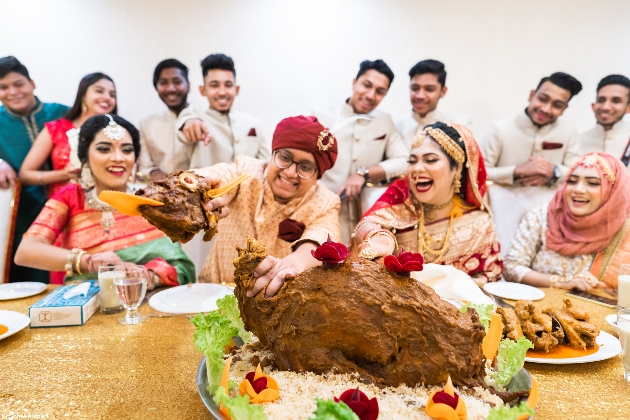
[55, 311]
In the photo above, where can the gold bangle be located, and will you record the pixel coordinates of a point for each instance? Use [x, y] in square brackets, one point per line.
[77, 262]
[383, 232]
[69, 267]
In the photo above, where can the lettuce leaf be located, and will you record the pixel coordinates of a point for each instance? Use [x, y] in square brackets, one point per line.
[331, 410]
[510, 359]
[504, 413]
[483, 309]
[239, 407]
[229, 307]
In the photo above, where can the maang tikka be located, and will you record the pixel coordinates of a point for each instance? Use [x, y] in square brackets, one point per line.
[113, 130]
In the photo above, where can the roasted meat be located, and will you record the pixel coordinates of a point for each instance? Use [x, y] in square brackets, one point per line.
[537, 327]
[184, 213]
[579, 332]
[511, 324]
[361, 317]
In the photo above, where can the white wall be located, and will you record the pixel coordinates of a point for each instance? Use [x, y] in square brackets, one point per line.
[292, 56]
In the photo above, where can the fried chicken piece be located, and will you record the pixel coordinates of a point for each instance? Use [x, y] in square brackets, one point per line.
[537, 327]
[361, 317]
[580, 333]
[184, 213]
[511, 325]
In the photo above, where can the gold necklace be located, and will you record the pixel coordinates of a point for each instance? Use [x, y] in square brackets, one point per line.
[431, 209]
[107, 217]
[422, 242]
[580, 268]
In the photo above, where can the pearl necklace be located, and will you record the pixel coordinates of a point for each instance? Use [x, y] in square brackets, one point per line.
[107, 218]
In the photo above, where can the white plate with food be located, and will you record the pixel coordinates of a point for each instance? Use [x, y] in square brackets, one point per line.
[513, 291]
[19, 290]
[12, 322]
[607, 346]
[198, 297]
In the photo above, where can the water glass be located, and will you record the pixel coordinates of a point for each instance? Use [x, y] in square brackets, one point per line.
[623, 328]
[131, 289]
[110, 304]
[623, 287]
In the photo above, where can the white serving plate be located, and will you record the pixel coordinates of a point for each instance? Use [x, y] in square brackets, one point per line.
[19, 290]
[15, 321]
[609, 347]
[513, 291]
[199, 297]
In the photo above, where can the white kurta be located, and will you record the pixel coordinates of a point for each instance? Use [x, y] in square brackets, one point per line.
[363, 140]
[409, 125]
[159, 147]
[511, 141]
[614, 141]
[233, 134]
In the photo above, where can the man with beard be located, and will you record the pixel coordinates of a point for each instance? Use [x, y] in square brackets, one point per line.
[370, 147]
[427, 87]
[221, 133]
[611, 134]
[535, 148]
[161, 153]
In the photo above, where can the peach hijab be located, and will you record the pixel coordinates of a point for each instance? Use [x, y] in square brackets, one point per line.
[577, 235]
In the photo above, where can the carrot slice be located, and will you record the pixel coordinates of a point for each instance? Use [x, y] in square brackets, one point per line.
[490, 345]
[440, 411]
[225, 376]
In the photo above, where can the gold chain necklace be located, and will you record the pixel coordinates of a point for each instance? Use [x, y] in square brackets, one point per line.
[422, 242]
[431, 209]
[580, 268]
[107, 217]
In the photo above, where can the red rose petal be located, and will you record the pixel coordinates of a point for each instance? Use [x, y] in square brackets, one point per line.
[359, 407]
[260, 385]
[330, 252]
[363, 407]
[444, 398]
[250, 377]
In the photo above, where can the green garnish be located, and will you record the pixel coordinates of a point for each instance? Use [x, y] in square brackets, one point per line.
[504, 413]
[239, 407]
[483, 309]
[331, 410]
[510, 359]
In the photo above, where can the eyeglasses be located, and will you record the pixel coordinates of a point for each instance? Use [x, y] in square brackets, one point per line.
[284, 160]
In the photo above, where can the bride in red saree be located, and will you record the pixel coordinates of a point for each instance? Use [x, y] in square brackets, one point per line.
[437, 209]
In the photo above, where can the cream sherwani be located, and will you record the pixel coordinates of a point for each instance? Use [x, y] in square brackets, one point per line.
[614, 141]
[511, 141]
[235, 133]
[159, 148]
[363, 140]
[409, 125]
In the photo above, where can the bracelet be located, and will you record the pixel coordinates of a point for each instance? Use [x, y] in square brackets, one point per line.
[361, 223]
[69, 267]
[383, 232]
[39, 178]
[554, 278]
[77, 262]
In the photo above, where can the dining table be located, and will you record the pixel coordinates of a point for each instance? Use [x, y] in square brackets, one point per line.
[105, 370]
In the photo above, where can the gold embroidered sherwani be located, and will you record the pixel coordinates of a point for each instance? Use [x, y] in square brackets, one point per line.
[254, 212]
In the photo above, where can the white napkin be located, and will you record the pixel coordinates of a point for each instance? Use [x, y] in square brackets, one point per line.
[451, 284]
[79, 289]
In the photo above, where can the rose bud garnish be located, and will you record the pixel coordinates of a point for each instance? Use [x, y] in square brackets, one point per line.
[259, 387]
[330, 253]
[363, 407]
[405, 263]
[446, 404]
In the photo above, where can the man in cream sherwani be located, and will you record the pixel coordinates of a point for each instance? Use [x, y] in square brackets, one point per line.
[221, 133]
[161, 153]
[535, 148]
[611, 134]
[370, 147]
[427, 87]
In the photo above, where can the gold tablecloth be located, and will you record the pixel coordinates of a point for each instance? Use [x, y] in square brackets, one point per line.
[107, 370]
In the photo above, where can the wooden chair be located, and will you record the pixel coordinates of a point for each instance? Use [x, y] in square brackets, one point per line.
[9, 201]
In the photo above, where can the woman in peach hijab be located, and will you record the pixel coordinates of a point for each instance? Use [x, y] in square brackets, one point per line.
[581, 237]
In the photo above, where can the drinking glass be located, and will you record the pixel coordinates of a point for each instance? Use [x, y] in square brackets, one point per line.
[623, 287]
[131, 289]
[110, 304]
[623, 328]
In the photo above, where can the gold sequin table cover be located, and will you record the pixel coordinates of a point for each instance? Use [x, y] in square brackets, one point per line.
[107, 370]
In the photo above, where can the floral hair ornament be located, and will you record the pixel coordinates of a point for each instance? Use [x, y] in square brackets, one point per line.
[594, 159]
[330, 253]
[364, 407]
[113, 131]
[405, 263]
[320, 140]
[446, 404]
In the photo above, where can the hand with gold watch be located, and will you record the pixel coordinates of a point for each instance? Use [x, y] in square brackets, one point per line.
[364, 172]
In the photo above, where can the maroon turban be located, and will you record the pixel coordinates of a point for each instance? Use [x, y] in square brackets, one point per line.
[307, 134]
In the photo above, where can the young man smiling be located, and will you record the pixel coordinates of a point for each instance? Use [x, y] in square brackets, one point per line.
[611, 134]
[427, 86]
[161, 153]
[535, 148]
[22, 117]
[221, 133]
[370, 147]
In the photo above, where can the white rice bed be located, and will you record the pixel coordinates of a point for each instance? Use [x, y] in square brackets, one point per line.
[298, 392]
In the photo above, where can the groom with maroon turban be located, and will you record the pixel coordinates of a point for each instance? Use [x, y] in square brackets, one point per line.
[281, 204]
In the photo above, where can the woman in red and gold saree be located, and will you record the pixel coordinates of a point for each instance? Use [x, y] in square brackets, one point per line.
[437, 209]
[94, 233]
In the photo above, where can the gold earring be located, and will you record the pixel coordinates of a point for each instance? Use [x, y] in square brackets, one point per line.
[457, 184]
[83, 107]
